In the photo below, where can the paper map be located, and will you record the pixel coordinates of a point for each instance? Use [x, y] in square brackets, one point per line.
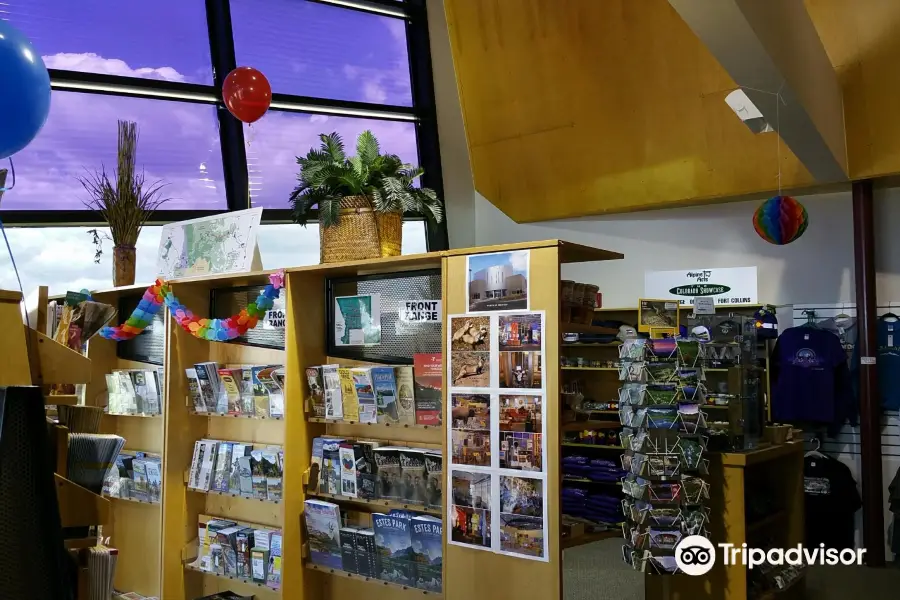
[210, 245]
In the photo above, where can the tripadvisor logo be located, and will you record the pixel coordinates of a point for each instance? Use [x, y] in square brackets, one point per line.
[700, 289]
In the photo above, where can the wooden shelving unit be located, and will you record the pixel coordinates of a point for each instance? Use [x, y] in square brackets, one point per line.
[157, 548]
[135, 527]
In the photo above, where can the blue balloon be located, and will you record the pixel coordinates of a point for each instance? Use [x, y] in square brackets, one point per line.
[25, 99]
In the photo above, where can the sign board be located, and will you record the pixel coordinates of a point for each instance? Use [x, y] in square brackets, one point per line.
[420, 311]
[726, 286]
[215, 245]
[274, 319]
[704, 305]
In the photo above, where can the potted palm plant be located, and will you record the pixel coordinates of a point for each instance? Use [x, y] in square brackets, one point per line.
[360, 199]
[125, 203]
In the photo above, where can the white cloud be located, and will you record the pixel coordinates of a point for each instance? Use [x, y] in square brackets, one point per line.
[63, 257]
[519, 261]
[92, 63]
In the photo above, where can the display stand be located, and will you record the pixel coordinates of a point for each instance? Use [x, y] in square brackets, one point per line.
[32, 358]
[473, 574]
[158, 544]
[135, 527]
[776, 471]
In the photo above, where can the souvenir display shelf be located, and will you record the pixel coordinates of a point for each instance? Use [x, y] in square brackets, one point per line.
[32, 358]
[775, 472]
[163, 539]
[135, 528]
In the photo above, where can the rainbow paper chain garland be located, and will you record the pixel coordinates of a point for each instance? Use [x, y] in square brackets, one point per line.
[215, 330]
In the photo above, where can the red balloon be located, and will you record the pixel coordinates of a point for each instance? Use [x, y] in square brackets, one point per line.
[247, 94]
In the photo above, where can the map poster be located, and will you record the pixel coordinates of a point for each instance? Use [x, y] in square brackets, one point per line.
[357, 320]
[219, 244]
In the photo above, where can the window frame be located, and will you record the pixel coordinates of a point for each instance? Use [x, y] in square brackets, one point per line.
[231, 135]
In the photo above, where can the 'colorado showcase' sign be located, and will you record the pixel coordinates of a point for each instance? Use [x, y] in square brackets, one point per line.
[727, 286]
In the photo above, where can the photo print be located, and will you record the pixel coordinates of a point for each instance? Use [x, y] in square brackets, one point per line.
[471, 429]
[498, 281]
[522, 535]
[470, 369]
[470, 333]
[521, 427]
[520, 332]
[522, 516]
[522, 496]
[470, 512]
[521, 370]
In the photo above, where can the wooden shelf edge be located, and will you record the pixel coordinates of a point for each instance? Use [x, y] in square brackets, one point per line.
[752, 457]
[373, 580]
[230, 495]
[233, 578]
[227, 416]
[134, 500]
[379, 503]
[141, 416]
[395, 425]
[78, 506]
[61, 400]
[601, 446]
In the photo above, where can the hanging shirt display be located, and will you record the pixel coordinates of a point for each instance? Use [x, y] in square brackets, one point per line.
[831, 500]
[889, 361]
[810, 378]
[845, 328]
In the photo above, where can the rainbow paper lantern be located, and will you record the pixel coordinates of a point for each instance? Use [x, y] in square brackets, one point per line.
[780, 220]
[214, 330]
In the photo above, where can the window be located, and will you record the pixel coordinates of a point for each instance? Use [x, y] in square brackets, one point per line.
[311, 49]
[178, 143]
[275, 141]
[164, 39]
[334, 65]
[63, 257]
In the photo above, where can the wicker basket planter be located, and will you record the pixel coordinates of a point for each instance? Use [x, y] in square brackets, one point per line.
[361, 233]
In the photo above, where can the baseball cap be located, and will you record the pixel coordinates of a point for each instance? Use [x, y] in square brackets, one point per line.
[766, 323]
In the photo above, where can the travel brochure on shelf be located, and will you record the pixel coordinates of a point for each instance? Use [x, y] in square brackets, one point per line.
[248, 552]
[401, 547]
[384, 395]
[374, 470]
[237, 390]
[237, 468]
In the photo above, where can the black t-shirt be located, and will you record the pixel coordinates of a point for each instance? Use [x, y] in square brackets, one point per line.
[831, 501]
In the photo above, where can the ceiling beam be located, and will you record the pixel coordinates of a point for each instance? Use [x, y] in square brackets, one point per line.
[772, 51]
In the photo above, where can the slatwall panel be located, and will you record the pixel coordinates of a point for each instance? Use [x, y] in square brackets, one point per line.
[846, 446]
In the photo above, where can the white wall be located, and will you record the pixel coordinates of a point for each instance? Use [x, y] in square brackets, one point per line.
[818, 267]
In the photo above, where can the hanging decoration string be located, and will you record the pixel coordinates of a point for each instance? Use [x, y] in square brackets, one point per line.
[779, 100]
[214, 330]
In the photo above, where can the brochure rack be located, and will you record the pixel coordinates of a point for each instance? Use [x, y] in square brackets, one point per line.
[158, 543]
[32, 358]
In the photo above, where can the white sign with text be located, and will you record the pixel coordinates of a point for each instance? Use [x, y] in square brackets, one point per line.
[726, 286]
[420, 311]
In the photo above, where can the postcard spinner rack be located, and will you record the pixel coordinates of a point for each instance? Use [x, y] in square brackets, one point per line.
[664, 436]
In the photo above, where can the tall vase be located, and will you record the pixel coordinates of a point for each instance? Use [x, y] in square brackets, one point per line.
[123, 265]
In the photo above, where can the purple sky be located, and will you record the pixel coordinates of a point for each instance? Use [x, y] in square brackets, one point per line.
[302, 47]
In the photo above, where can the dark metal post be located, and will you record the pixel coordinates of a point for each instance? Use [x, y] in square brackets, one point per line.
[869, 404]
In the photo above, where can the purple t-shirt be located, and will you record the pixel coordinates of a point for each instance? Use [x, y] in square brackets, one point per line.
[810, 377]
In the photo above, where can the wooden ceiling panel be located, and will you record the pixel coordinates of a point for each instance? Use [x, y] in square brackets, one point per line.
[580, 107]
[575, 108]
